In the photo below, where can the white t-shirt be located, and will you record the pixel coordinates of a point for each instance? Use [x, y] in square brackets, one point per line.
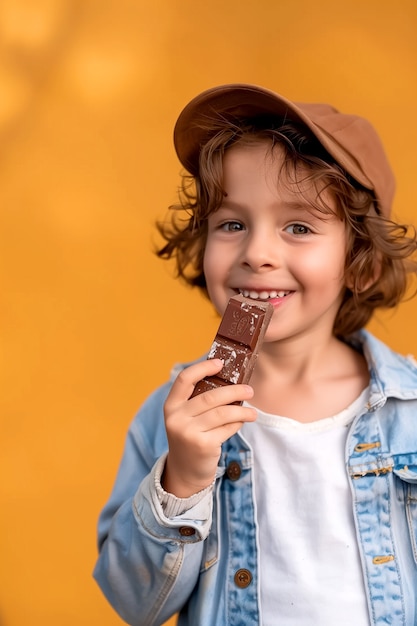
[310, 571]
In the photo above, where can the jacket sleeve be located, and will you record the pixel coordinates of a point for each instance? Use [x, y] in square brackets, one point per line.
[148, 563]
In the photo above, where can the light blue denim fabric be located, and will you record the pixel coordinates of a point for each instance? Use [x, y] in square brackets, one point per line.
[149, 570]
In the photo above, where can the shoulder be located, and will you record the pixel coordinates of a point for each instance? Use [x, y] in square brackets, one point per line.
[394, 373]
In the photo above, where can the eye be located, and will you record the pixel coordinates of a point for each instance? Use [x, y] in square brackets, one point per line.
[298, 229]
[231, 226]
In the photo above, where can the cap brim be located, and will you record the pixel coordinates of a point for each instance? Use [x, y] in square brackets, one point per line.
[351, 140]
[240, 101]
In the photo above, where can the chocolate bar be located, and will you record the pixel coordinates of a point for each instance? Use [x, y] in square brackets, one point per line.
[237, 342]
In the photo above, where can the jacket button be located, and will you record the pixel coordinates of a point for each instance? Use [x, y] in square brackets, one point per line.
[233, 470]
[243, 578]
[186, 531]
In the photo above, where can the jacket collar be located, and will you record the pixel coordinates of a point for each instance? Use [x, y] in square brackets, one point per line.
[391, 374]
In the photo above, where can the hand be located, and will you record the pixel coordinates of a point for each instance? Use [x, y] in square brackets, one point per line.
[197, 427]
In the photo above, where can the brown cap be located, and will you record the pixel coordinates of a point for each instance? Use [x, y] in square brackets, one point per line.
[349, 139]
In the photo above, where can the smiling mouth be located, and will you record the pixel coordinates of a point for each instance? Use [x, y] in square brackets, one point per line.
[263, 295]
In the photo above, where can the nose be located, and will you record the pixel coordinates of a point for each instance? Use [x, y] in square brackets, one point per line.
[261, 252]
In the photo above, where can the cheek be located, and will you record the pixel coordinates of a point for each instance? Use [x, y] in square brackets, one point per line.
[321, 266]
[210, 264]
[207, 264]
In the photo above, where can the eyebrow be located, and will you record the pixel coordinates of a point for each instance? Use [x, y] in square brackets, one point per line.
[229, 204]
[300, 206]
[290, 204]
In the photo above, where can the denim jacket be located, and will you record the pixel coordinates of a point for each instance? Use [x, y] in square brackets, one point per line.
[203, 564]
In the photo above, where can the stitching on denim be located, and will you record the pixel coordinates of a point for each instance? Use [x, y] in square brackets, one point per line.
[364, 447]
[376, 472]
[381, 559]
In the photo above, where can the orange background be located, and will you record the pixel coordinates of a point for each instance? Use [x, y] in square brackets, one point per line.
[91, 321]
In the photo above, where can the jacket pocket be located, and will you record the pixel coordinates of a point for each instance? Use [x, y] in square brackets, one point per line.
[407, 473]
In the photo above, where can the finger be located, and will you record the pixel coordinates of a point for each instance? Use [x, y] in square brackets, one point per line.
[225, 417]
[188, 377]
[201, 415]
[228, 430]
[224, 395]
[218, 428]
[210, 424]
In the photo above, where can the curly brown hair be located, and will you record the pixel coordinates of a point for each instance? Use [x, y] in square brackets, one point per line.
[379, 253]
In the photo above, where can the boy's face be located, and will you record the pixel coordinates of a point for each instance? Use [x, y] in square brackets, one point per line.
[266, 241]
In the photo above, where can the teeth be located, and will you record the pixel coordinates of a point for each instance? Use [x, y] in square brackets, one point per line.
[263, 295]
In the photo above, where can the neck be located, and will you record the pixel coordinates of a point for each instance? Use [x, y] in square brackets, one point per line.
[308, 380]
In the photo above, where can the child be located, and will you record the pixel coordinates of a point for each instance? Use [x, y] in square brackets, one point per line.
[300, 506]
